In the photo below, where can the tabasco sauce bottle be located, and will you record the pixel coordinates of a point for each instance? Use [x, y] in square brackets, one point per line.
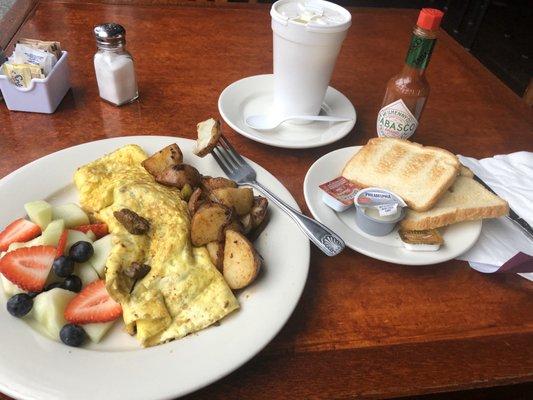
[407, 92]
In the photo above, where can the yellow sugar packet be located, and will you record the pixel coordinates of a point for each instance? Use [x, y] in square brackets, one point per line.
[19, 74]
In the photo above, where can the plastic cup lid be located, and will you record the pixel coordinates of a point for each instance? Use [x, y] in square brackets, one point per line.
[313, 15]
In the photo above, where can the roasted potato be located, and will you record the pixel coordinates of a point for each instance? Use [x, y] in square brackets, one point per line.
[208, 223]
[246, 223]
[209, 183]
[259, 211]
[167, 157]
[235, 225]
[241, 261]
[196, 200]
[179, 175]
[216, 253]
[208, 135]
[241, 199]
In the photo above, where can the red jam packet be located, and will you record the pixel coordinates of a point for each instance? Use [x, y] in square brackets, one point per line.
[341, 189]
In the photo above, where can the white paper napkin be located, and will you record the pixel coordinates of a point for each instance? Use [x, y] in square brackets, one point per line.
[511, 177]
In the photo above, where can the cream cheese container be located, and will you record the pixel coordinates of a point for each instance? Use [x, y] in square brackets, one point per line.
[378, 211]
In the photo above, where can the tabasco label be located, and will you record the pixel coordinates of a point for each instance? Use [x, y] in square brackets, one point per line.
[395, 120]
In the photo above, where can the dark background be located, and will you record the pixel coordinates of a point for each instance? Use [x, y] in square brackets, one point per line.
[498, 32]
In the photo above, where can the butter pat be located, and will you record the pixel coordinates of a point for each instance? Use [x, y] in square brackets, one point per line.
[426, 240]
[339, 193]
[421, 247]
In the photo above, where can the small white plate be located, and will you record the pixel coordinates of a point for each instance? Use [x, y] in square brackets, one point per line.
[35, 367]
[458, 238]
[253, 95]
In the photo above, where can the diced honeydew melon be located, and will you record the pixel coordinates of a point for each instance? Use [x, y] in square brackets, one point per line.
[52, 233]
[76, 236]
[86, 273]
[102, 249]
[38, 241]
[97, 330]
[48, 309]
[10, 289]
[91, 235]
[71, 213]
[39, 212]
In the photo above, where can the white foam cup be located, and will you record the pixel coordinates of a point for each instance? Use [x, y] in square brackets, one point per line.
[308, 36]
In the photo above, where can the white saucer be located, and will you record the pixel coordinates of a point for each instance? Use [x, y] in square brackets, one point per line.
[253, 95]
[458, 238]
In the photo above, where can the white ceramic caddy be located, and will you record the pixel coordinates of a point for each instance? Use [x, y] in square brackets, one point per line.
[43, 95]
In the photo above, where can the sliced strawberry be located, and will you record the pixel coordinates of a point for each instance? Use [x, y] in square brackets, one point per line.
[92, 304]
[28, 267]
[100, 230]
[20, 230]
[62, 244]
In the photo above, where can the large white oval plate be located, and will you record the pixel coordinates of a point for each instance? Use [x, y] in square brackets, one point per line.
[35, 367]
[458, 238]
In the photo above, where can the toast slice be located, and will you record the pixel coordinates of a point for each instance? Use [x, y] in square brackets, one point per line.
[419, 175]
[465, 171]
[466, 200]
[428, 236]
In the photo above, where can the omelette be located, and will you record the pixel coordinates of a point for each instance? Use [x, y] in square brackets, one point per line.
[183, 291]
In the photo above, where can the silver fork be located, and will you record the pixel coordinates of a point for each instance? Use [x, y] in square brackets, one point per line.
[241, 172]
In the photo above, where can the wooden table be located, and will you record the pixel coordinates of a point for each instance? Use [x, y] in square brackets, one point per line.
[363, 327]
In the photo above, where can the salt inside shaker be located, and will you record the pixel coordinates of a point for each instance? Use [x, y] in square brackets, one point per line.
[115, 72]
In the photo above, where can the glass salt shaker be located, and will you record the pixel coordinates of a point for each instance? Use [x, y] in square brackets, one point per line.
[115, 72]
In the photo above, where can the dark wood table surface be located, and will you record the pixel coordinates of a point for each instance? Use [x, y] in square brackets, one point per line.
[363, 328]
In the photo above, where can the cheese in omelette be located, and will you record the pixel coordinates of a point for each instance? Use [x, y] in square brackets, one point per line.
[183, 292]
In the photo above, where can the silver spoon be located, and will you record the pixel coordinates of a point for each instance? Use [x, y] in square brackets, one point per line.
[267, 122]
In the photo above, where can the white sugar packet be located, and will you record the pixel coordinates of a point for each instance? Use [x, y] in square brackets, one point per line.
[24, 54]
[511, 177]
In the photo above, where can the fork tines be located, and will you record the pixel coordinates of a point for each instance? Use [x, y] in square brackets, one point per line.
[226, 156]
[231, 162]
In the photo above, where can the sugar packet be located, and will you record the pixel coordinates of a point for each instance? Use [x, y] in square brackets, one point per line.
[20, 75]
[46, 45]
[25, 54]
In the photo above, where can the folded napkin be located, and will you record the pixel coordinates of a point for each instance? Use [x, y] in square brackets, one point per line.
[511, 177]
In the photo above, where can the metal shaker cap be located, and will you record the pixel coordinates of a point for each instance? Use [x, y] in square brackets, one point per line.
[110, 35]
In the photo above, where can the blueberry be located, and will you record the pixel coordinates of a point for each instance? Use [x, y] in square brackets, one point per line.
[72, 283]
[53, 285]
[33, 294]
[72, 335]
[81, 251]
[19, 305]
[63, 266]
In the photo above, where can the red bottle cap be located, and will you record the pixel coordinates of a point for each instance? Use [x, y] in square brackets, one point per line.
[429, 18]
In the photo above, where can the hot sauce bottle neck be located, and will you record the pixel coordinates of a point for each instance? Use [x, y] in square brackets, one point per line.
[423, 39]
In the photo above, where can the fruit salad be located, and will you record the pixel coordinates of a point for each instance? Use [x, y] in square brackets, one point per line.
[52, 269]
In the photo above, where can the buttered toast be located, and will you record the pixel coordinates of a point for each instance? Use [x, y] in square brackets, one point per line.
[419, 175]
[466, 200]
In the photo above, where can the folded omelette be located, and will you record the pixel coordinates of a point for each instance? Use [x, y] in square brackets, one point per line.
[183, 292]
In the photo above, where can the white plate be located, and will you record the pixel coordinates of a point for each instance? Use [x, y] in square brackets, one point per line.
[458, 238]
[253, 95]
[35, 367]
